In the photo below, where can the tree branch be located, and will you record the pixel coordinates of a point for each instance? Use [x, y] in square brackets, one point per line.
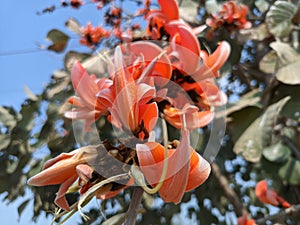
[230, 194]
[286, 140]
[134, 206]
[282, 214]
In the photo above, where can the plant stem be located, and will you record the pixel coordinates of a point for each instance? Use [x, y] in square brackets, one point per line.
[230, 194]
[294, 210]
[134, 206]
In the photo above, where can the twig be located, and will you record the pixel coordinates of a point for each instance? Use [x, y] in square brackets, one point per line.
[230, 194]
[134, 206]
[286, 140]
[282, 214]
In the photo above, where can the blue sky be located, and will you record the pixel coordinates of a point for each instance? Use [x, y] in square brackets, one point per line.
[22, 30]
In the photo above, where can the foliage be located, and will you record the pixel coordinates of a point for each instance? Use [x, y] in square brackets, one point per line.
[262, 139]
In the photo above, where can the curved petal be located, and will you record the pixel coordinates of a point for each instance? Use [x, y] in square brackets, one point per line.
[110, 194]
[193, 119]
[81, 80]
[82, 113]
[169, 8]
[199, 172]
[57, 170]
[185, 45]
[60, 199]
[217, 59]
[265, 195]
[150, 51]
[150, 156]
[148, 113]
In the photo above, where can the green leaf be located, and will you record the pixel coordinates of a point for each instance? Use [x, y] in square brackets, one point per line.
[188, 11]
[23, 206]
[279, 18]
[212, 6]
[262, 5]
[277, 153]
[60, 74]
[59, 40]
[58, 87]
[6, 118]
[259, 133]
[252, 98]
[290, 171]
[4, 141]
[283, 60]
[292, 108]
[285, 53]
[289, 74]
[115, 220]
[72, 57]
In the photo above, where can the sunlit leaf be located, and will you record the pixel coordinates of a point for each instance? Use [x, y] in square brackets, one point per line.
[262, 5]
[277, 153]
[279, 18]
[4, 141]
[59, 40]
[258, 134]
[290, 171]
[95, 65]
[285, 52]
[258, 33]
[58, 87]
[188, 11]
[268, 63]
[6, 118]
[115, 220]
[73, 25]
[289, 74]
[289, 63]
[72, 57]
[212, 6]
[29, 93]
[60, 74]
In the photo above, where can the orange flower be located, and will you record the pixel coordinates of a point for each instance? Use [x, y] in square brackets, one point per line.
[194, 118]
[130, 107]
[268, 196]
[231, 14]
[186, 168]
[144, 53]
[66, 168]
[90, 107]
[76, 3]
[185, 46]
[60, 170]
[92, 36]
[243, 220]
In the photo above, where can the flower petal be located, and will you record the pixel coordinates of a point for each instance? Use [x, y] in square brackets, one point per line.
[169, 8]
[60, 199]
[199, 172]
[81, 80]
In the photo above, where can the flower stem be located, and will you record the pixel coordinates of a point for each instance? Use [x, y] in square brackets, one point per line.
[134, 206]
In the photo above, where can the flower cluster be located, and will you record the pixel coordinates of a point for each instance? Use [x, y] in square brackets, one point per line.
[169, 79]
[91, 36]
[232, 16]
